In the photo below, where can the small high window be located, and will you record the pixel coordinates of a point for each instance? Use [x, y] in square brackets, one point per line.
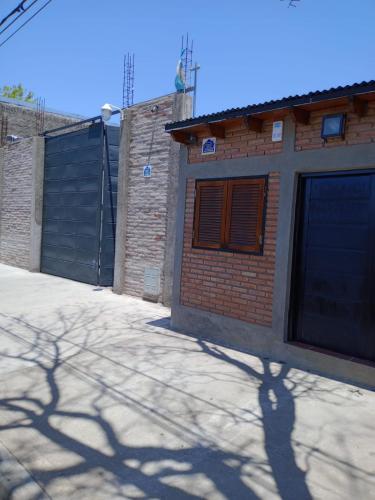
[229, 214]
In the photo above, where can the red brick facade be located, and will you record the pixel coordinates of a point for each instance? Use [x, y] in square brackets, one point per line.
[358, 130]
[239, 142]
[233, 284]
[240, 285]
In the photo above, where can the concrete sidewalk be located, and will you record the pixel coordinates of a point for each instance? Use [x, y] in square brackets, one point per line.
[100, 400]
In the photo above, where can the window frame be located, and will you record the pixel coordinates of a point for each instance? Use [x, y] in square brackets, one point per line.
[224, 246]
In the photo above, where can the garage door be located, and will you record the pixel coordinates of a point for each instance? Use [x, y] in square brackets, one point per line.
[333, 304]
[79, 204]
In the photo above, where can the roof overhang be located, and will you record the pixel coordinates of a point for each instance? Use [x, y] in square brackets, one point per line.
[252, 117]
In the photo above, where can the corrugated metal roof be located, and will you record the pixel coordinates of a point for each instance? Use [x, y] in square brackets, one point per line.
[297, 100]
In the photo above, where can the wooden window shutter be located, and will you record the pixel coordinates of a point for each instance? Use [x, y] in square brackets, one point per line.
[244, 222]
[209, 214]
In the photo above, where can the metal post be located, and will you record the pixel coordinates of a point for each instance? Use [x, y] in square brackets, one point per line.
[195, 70]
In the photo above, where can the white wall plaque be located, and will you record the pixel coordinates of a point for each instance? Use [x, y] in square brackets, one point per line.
[209, 146]
[277, 131]
[147, 171]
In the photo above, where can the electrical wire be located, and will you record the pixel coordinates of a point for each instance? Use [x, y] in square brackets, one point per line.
[26, 22]
[16, 19]
[19, 8]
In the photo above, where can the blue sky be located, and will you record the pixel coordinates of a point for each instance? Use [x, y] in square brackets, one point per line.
[249, 50]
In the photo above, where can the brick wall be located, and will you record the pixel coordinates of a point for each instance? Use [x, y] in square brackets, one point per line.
[231, 284]
[146, 221]
[22, 119]
[239, 142]
[240, 286]
[15, 203]
[358, 130]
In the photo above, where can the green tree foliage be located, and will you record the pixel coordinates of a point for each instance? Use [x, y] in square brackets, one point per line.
[17, 92]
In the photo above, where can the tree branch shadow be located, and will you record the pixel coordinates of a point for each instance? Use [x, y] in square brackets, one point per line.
[128, 470]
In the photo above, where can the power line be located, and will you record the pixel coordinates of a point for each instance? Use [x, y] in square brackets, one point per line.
[26, 22]
[16, 19]
[19, 8]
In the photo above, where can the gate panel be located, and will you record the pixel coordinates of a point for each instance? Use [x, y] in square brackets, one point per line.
[72, 204]
[334, 275]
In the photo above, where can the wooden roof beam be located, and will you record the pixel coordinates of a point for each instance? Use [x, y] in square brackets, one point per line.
[300, 115]
[184, 137]
[358, 106]
[252, 123]
[216, 130]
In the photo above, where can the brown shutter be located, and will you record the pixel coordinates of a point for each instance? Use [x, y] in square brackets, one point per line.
[245, 214]
[209, 214]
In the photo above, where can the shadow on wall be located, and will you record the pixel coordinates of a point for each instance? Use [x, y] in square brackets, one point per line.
[42, 407]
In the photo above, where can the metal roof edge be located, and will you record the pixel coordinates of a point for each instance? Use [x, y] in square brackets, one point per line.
[274, 105]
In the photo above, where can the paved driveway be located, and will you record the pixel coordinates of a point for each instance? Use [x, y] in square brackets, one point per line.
[99, 399]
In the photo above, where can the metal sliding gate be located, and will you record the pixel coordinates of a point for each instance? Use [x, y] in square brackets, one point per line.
[79, 204]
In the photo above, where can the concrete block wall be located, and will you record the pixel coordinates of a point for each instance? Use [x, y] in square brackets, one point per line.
[22, 119]
[15, 203]
[145, 224]
[21, 177]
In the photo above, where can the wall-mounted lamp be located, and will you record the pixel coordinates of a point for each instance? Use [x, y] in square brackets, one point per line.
[333, 126]
[107, 111]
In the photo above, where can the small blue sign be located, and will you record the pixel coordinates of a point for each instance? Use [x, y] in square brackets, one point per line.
[209, 146]
[147, 171]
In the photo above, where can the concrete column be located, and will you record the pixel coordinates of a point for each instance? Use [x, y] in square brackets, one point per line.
[182, 109]
[36, 203]
[122, 204]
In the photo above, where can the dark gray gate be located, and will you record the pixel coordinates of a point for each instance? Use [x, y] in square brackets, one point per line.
[334, 295]
[79, 205]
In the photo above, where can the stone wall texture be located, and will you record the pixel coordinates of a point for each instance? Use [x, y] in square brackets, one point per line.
[15, 203]
[237, 285]
[147, 205]
[22, 119]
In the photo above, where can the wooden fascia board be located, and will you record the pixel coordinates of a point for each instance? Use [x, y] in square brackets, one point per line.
[358, 106]
[216, 130]
[184, 137]
[300, 115]
[253, 123]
